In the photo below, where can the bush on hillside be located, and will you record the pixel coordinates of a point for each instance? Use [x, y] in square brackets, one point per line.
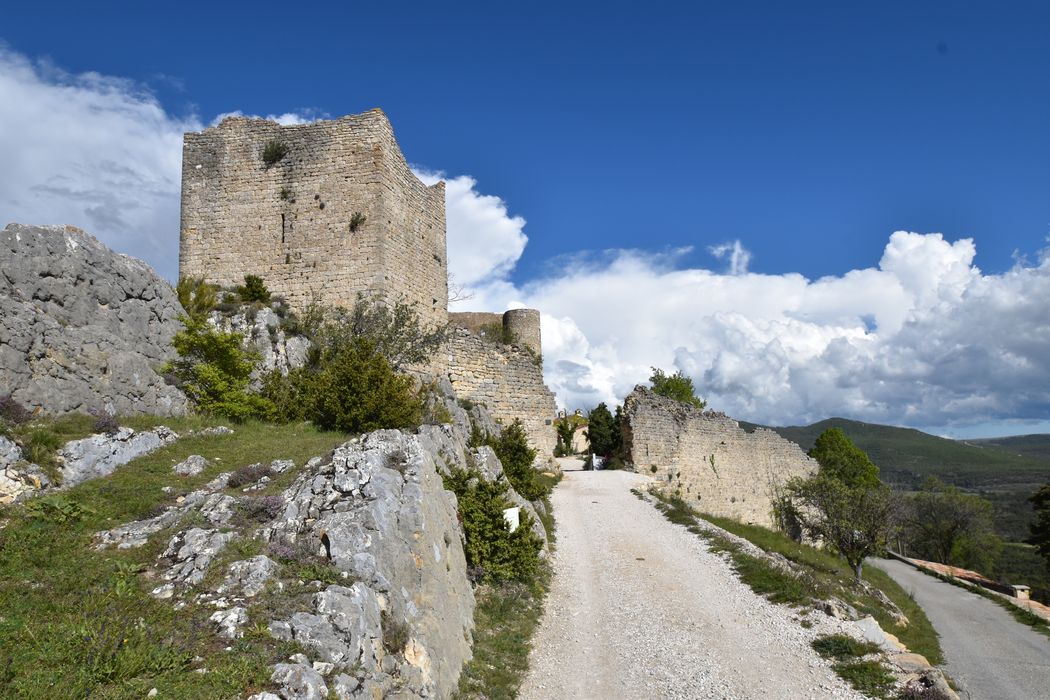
[350, 388]
[517, 458]
[491, 548]
[197, 297]
[253, 290]
[675, 386]
[213, 370]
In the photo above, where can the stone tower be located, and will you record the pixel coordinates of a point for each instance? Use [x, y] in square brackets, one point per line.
[339, 213]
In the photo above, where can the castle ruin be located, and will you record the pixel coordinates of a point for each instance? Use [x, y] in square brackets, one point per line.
[707, 459]
[329, 210]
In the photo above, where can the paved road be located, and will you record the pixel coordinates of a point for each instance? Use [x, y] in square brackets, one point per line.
[988, 654]
[639, 608]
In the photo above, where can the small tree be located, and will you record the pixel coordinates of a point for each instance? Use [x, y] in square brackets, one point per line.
[517, 459]
[946, 525]
[274, 151]
[213, 369]
[196, 296]
[1040, 529]
[565, 429]
[253, 290]
[856, 522]
[840, 458]
[845, 504]
[603, 432]
[676, 386]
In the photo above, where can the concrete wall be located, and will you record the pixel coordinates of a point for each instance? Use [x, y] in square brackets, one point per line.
[508, 381]
[707, 458]
[289, 222]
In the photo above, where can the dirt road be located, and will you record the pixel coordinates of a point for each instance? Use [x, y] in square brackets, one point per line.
[640, 608]
[988, 654]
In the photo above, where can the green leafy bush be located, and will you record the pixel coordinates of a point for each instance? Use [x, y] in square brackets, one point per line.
[197, 297]
[493, 551]
[213, 370]
[356, 221]
[274, 151]
[675, 386]
[842, 647]
[253, 290]
[350, 388]
[517, 459]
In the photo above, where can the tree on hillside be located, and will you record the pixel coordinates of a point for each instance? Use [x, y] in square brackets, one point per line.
[676, 386]
[857, 522]
[603, 432]
[1041, 527]
[946, 525]
[845, 504]
[840, 458]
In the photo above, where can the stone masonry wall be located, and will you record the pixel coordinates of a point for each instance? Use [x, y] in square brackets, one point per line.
[508, 381]
[289, 222]
[707, 458]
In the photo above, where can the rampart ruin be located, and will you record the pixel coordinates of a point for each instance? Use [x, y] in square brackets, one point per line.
[707, 458]
[329, 210]
[507, 378]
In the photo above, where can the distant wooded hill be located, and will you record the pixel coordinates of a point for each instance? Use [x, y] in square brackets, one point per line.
[906, 456]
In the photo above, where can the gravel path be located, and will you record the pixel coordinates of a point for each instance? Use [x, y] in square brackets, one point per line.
[640, 608]
[988, 654]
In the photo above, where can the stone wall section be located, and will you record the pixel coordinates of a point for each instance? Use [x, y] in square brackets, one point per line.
[290, 222]
[508, 381]
[707, 458]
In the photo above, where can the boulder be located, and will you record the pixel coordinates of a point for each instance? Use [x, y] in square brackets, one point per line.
[83, 327]
[100, 454]
[191, 466]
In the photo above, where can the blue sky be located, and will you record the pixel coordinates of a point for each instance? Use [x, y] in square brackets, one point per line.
[635, 134]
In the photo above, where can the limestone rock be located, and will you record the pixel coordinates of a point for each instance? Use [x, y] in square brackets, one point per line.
[191, 552]
[99, 455]
[191, 466]
[377, 507]
[83, 327]
[263, 333]
[872, 632]
[229, 622]
[299, 682]
[249, 577]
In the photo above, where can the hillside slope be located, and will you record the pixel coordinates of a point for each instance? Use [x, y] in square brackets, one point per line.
[907, 456]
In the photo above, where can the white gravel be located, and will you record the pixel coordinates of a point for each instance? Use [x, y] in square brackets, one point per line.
[641, 608]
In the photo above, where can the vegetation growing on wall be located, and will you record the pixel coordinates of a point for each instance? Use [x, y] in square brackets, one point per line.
[273, 152]
[675, 386]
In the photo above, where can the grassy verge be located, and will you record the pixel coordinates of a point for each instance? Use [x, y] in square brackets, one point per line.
[824, 575]
[505, 619]
[75, 622]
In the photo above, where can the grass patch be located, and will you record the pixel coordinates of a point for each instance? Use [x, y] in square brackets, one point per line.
[75, 622]
[824, 575]
[842, 647]
[547, 481]
[505, 619]
[869, 677]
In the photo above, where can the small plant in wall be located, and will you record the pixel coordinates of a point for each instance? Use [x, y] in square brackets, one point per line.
[274, 151]
[356, 221]
[287, 194]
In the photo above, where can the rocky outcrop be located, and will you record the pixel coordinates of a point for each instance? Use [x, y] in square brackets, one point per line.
[82, 327]
[378, 511]
[265, 334]
[78, 461]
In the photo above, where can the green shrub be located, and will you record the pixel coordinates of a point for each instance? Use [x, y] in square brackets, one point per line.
[395, 633]
[869, 677]
[197, 297]
[351, 388]
[213, 370]
[675, 386]
[496, 332]
[356, 221]
[493, 551]
[842, 647]
[517, 459]
[274, 151]
[253, 290]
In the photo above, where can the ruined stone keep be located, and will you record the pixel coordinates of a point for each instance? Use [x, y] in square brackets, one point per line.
[331, 209]
[707, 458]
[326, 210]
